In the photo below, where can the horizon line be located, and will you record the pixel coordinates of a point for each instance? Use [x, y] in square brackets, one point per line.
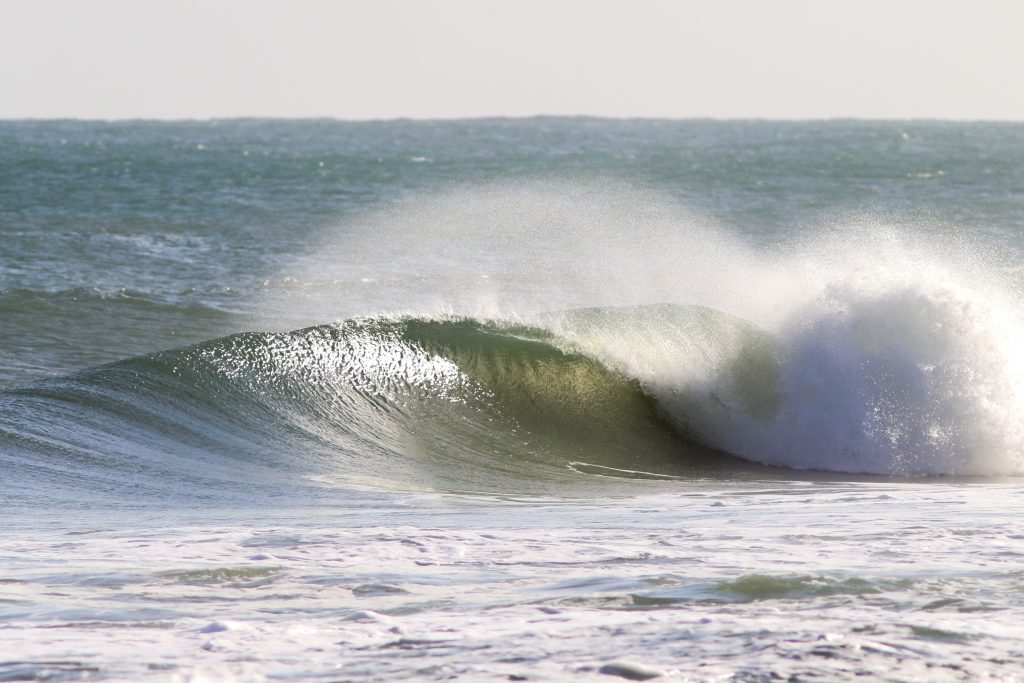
[500, 117]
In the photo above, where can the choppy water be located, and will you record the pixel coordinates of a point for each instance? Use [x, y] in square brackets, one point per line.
[548, 399]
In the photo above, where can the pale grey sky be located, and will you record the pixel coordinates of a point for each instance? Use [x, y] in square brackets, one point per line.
[461, 58]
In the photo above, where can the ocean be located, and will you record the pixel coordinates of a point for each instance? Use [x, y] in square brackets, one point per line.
[547, 399]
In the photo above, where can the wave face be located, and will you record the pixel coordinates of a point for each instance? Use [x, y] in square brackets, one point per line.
[910, 382]
[395, 404]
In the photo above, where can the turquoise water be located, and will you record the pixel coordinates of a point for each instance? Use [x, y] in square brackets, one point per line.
[551, 398]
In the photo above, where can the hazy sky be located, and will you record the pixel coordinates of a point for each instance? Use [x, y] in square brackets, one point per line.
[456, 58]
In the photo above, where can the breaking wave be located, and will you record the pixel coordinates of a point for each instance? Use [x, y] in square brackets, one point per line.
[904, 382]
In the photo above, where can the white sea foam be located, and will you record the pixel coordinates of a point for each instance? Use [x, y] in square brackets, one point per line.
[921, 379]
[544, 591]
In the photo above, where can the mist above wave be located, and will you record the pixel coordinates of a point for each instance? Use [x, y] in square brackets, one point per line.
[898, 345]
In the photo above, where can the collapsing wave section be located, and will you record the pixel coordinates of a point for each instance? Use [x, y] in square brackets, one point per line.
[911, 380]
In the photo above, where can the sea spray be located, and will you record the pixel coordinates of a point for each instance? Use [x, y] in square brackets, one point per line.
[876, 351]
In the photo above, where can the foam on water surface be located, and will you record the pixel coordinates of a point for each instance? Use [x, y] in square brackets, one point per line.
[715, 585]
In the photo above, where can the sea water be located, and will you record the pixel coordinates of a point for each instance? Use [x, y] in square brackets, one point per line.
[539, 399]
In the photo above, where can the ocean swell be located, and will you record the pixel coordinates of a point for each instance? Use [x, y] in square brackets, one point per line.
[905, 382]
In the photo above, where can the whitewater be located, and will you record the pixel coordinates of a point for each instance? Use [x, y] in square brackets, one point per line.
[540, 399]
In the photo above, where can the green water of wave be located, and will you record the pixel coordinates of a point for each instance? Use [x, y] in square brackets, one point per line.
[410, 403]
